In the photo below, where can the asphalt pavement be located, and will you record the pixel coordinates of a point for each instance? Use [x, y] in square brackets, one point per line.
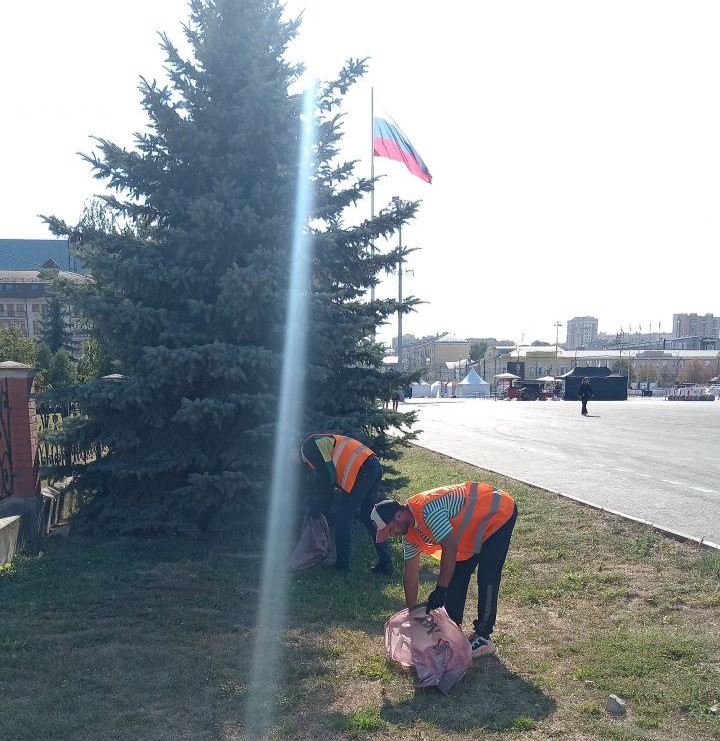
[649, 458]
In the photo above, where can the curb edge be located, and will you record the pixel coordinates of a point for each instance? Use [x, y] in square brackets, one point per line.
[674, 534]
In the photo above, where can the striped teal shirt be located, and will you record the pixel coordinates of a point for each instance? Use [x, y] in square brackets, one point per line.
[437, 514]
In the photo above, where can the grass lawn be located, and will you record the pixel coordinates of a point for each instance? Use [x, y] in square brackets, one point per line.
[150, 640]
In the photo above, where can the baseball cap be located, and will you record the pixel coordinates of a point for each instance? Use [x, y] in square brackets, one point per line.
[382, 515]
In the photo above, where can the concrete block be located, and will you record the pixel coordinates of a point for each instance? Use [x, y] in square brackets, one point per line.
[68, 503]
[48, 505]
[30, 512]
[9, 538]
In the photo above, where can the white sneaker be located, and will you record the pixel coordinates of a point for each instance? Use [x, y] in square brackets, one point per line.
[481, 646]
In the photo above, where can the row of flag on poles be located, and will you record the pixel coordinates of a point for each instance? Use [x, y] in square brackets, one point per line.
[390, 141]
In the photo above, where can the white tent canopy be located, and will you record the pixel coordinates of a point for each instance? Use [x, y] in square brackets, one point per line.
[473, 386]
[420, 390]
[436, 390]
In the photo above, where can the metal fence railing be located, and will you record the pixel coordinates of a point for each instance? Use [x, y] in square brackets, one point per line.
[6, 464]
[54, 453]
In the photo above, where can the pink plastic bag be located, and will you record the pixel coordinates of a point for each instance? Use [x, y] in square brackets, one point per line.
[314, 544]
[432, 644]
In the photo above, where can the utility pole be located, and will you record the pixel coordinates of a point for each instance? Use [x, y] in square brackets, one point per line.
[396, 201]
[372, 178]
[557, 326]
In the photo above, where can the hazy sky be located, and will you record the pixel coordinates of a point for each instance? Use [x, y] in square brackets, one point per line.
[574, 146]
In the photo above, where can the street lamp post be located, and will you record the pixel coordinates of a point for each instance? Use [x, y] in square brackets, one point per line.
[396, 201]
[557, 326]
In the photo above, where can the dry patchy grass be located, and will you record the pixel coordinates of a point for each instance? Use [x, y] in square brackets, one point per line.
[151, 640]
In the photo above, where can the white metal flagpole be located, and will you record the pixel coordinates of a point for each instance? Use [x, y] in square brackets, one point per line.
[372, 176]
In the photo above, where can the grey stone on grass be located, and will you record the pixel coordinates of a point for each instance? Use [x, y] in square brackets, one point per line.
[616, 706]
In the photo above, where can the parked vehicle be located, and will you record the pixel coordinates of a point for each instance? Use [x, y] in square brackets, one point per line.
[526, 390]
[690, 392]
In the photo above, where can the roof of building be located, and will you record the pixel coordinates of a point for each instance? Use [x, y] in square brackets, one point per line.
[646, 354]
[449, 337]
[26, 254]
[641, 354]
[31, 276]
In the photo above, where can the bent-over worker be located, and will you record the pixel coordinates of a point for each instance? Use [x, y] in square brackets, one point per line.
[350, 469]
[465, 526]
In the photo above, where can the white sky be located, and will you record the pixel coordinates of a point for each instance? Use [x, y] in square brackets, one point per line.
[574, 145]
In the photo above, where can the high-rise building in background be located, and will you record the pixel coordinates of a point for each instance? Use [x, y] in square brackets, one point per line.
[581, 330]
[694, 325]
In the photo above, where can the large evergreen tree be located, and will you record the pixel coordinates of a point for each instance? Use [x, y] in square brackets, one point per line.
[189, 280]
[56, 332]
[188, 291]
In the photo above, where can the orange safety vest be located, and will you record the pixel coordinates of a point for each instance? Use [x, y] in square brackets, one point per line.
[485, 511]
[348, 455]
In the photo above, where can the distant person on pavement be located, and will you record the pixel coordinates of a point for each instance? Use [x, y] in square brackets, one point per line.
[465, 526]
[350, 470]
[584, 393]
[395, 400]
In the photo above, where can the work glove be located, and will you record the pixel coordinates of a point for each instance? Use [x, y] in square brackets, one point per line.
[436, 599]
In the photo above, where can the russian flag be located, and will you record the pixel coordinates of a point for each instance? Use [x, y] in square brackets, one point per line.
[389, 141]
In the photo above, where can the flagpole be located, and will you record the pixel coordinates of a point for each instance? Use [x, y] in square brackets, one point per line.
[372, 177]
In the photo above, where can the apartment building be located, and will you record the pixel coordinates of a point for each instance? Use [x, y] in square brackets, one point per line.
[432, 354]
[581, 331]
[694, 325]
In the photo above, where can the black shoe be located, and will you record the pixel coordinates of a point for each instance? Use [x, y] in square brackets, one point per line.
[384, 569]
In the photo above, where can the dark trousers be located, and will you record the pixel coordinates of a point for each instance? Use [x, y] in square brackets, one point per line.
[584, 406]
[363, 497]
[489, 563]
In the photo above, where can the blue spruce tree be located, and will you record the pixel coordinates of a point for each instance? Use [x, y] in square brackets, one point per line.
[189, 276]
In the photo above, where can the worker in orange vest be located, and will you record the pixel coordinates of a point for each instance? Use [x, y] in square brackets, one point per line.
[347, 468]
[465, 526]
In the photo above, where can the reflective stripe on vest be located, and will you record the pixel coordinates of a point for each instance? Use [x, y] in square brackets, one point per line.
[482, 527]
[485, 511]
[467, 510]
[348, 455]
[349, 468]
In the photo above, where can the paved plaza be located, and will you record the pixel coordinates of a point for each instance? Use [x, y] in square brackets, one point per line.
[649, 458]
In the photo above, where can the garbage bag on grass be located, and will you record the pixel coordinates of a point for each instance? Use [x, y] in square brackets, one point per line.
[314, 544]
[432, 644]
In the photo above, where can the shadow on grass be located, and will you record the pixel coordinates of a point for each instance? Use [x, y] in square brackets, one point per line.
[124, 639]
[139, 639]
[490, 697]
